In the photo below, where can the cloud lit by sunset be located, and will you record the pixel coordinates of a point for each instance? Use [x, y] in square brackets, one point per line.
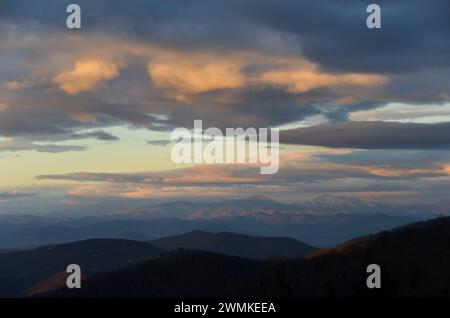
[90, 112]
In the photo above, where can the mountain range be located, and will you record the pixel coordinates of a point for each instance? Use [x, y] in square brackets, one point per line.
[325, 221]
[324, 204]
[30, 271]
[414, 262]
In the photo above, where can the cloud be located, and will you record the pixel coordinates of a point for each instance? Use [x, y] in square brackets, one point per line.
[3, 107]
[49, 142]
[395, 163]
[25, 145]
[272, 26]
[309, 172]
[394, 159]
[56, 148]
[14, 195]
[190, 77]
[296, 168]
[86, 76]
[99, 135]
[405, 113]
[342, 43]
[193, 74]
[14, 85]
[300, 175]
[372, 135]
[251, 73]
[104, 177]
[254, 63]
[162, 142]
[309, 78]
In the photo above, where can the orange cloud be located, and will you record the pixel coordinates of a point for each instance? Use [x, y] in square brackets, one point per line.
[182, 76]
[169, 192]
[85, 118]
[86, 76]
[14, 85]
[306, 78]
[193, 77]
[211, 174]
[399, 172]
[446, 168]
[3, 107]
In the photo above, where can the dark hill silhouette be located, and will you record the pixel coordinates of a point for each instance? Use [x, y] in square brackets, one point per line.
[236, 244]
[20, 270]
[177, 274]
[415, 262]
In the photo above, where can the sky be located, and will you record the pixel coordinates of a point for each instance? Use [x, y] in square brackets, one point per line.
[86, 115]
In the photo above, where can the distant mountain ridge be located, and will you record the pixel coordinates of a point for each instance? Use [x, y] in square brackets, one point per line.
[322, 229]
[324, 204]
[194, 210]
[236, 244]
[327, 201]
[325, 221]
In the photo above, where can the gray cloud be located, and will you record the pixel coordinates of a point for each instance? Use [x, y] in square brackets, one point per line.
[372, 135]
[329, 33]
[162, 142]
[24, 145]
[393, 159]
[414, 34]
[15, 195]
[411, 49]
[100, 135]
[105, 177]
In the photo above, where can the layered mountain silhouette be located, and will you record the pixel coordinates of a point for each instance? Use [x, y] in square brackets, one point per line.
[326, 221]
[415, 262]
[44, 268]
[236, 244]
